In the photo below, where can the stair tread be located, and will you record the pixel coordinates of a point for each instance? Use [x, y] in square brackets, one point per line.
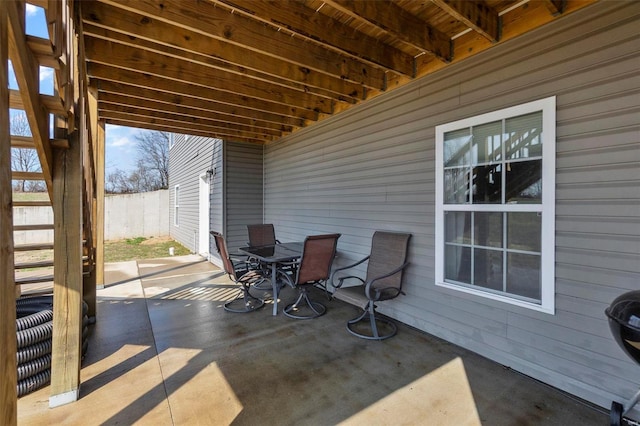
[33, 247]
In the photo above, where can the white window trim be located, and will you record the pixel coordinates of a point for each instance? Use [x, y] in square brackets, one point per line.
[547, 261]
[176, 205]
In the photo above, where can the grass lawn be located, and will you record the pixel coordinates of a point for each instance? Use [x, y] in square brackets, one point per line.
[141, 248]
[30, 196]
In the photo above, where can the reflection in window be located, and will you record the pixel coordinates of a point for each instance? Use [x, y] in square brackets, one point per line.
[495, 236]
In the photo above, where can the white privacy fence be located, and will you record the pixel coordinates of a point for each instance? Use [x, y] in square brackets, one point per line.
[144, 214]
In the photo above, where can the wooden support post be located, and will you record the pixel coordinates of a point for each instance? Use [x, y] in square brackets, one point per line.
[67, 283]
[8, 392]
[99, 211]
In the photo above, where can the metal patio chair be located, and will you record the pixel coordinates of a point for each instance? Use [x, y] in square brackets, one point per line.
[314, 267]
[240, 273]
[261, 234]
[386, 264]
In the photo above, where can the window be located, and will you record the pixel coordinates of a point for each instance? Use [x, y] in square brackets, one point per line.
[176, 205]
[495, 205]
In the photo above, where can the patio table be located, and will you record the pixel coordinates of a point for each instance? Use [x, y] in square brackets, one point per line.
[273, 255]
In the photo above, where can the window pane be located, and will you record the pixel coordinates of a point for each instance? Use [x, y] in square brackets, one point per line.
[524, 231]
[523, 275]
[456, 186]
[456, 148]
[457, 264]
[457, 227]
[524, 182]
[524, 136]
[487, 269]
[487, 229]
[487, 143]
[487, 184]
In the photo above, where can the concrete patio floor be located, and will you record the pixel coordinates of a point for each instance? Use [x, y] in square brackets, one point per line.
[164, 352]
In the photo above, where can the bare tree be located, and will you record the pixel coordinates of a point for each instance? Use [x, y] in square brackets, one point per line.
[24, 159]
[153, 157]
[152, 166]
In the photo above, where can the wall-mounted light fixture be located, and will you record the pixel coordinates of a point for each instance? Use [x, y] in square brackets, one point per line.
[211, 173]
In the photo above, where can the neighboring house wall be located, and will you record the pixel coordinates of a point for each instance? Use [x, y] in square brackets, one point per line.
[372, 167]
[237, 179]
[189, 158]
[145, 214]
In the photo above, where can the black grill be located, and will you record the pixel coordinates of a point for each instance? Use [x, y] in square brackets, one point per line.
[624, 322]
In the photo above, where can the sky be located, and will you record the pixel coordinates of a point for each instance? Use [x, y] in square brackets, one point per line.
[120, 142]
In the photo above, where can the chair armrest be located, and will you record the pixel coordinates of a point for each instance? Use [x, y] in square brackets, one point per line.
[340, 280]
[377, 292]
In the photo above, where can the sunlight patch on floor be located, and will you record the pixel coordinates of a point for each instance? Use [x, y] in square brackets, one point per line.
[209, 396]
[442, 397]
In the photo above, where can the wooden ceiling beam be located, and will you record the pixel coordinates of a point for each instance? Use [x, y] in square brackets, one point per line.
[474, 14]
[102, 21]
[173, 127]
[220, 23]
[127, 57]
[241, 103]
[116, 103]
[400, 23]
[261, 118]
[165, 103]
[26, 72]
[556, 7]
[228, 129]
[331, 33]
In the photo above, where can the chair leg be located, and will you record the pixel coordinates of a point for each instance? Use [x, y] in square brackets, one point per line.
[374, 320]
[249, 302]
[303, 302]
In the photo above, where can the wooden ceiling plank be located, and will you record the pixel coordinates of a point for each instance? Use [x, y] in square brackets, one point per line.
[108, 104]
[263, 119]
[219, 53]
[393, 19]
[241, 103]
[216, 65]
[166, 103]
[240, 30]
[320, 28]
[26, 72]
[175, 129]
[181, 126]
[474, 14]
[127, 57]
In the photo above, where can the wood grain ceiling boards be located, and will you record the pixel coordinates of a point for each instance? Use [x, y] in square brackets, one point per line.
[254, 71]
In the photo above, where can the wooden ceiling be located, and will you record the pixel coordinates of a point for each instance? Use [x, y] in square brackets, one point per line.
[249, 70]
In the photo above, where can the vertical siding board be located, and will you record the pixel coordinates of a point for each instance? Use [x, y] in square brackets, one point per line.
[373, 167]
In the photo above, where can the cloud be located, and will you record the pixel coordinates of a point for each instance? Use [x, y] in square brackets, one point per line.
[46, 73]
[123, 141]
[31, 10]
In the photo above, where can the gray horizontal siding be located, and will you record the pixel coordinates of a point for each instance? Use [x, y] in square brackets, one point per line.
[243, 191]
[373, 168]
[188, 159]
